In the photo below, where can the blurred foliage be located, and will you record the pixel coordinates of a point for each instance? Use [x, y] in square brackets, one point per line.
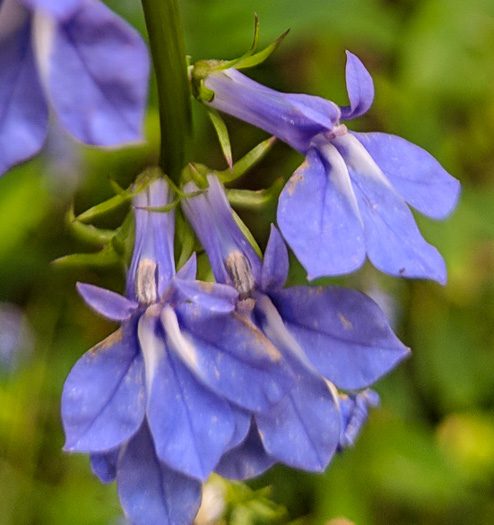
[427, 455]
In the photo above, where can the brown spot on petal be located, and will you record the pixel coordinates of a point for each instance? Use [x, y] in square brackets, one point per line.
[273, 353]
[296, 178]
[345, 322]
[110, 341]
[206, 286]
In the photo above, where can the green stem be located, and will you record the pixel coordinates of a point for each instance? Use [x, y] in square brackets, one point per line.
[168, 52]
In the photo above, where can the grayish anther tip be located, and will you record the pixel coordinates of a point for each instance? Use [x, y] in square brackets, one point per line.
[146, 282]
[240, 272]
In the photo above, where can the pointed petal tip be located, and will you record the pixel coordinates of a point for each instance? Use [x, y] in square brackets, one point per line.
[360, 88]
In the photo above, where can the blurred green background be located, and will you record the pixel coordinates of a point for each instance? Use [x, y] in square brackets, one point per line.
[427, 455]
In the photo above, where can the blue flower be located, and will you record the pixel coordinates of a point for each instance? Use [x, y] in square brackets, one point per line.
[349, 198]
[331, 337]
[159, 401]
[79, 58]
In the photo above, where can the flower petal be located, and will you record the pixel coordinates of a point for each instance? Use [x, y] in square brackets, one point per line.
[211, 296]
[104, 465]
[354, 413]
[360, 88]
[318, 217]
[303, 429]
[233, 357]
[343, 333]
[191, 425]
[247, 460]
[242, 425]
[212, 219]
[189, 270]
[60, 9]
[95, 67]
[153, 264]
[149, 491]
[414, 172]
[293, 118]
[23, 110]
[393, 241]
[275, 263]
[109, 304]
[102, 401]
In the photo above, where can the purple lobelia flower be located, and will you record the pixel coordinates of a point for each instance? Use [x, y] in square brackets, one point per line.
[159, 401]
[76, 57]
[331, 337]
[349, 198]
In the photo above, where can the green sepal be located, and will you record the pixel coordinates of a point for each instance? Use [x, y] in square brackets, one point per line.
[123, 240]
[223, 137]
[88, 232]
[116, 187]
[185, 235]
[104, 207]
[255, 59]
[247, 162]
[105, 257]
[123, 195]
[254, 199]
[196, 173]
[160, 209]
[246, 232]
[203, 68]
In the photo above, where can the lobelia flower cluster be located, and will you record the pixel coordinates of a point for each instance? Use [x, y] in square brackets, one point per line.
[234, 376]
[231, 376]
[237, 375]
